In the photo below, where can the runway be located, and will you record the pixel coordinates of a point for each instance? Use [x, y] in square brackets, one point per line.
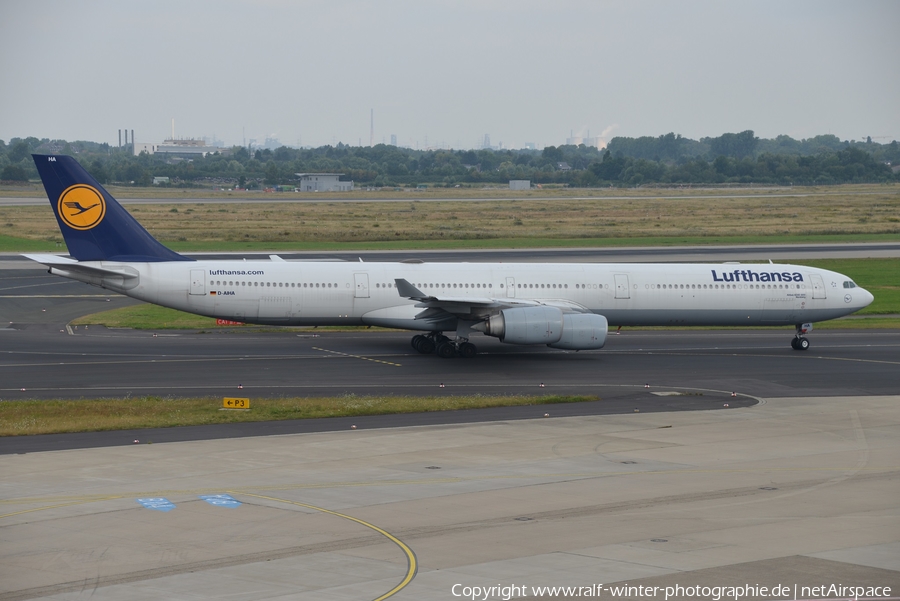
[794, 483]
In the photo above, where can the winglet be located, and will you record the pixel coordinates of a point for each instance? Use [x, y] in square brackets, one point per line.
[407, 290]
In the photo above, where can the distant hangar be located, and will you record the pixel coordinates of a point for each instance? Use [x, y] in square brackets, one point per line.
[322, 182]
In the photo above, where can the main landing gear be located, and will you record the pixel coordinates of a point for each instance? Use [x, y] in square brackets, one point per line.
[799, 342]
[442, 346]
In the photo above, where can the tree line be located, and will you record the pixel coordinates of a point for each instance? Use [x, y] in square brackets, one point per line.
[670, 159]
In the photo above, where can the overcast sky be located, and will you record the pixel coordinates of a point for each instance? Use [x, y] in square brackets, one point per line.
[448, 72]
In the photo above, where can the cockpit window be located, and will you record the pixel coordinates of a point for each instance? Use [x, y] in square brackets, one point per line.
[849, 284]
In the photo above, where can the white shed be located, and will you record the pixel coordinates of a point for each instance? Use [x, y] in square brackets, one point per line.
[323, 182]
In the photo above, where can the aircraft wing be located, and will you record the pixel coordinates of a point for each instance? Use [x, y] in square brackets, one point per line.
[475, 308]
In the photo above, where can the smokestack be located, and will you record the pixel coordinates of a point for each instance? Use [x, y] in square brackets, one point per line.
[173, 129]
[120, 138]
[371, 127]
[126, 137]
[132, 139]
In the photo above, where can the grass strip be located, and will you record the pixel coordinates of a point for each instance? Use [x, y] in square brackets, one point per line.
[147, 317]
[20, 418]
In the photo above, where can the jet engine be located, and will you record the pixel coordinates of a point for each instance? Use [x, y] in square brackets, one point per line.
[547, 325]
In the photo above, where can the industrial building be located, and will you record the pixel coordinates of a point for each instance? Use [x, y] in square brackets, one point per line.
[323, 182]
[180, 148]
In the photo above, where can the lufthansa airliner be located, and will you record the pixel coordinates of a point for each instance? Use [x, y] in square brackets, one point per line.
[566, 306]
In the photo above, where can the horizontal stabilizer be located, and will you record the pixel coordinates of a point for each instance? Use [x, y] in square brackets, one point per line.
[91, 269]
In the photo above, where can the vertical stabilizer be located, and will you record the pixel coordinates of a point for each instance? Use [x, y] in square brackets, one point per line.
[94, 225]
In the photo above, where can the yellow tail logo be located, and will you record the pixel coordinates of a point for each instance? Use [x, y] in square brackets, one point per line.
[81, 207]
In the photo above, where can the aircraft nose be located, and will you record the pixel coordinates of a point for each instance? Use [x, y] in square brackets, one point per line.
[865, 298]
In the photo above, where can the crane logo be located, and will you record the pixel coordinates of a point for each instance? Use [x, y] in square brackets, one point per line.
[81, 207]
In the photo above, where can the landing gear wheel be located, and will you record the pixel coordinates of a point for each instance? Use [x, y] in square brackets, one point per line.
[415, 341]
[467, 350]
[799, 343]
[426, 346]
[446, 350]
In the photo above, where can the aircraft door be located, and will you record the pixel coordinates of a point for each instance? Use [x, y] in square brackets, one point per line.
[511, 287]
[622, 288]
[818, 285]
[361, 280]
[198, 282]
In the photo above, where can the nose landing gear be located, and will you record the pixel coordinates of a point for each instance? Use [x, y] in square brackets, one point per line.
[799, 342]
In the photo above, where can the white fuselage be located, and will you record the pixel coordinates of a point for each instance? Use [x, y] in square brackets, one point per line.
[339, 293]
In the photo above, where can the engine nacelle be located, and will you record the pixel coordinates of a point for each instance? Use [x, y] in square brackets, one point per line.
[582, 331]
[527, 325]
[547, 325]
